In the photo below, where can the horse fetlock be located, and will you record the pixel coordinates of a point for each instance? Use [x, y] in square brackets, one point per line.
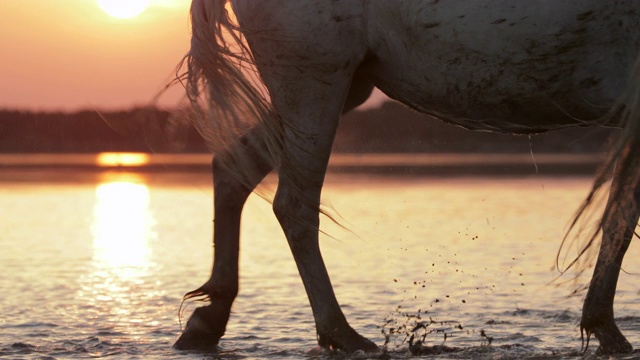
[215, 291]
[222, 291]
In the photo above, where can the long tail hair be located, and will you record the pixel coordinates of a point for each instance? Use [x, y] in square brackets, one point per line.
[224, 87]
[623, 165]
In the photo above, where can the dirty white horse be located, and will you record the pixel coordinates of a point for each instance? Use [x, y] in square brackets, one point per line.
[509, 66]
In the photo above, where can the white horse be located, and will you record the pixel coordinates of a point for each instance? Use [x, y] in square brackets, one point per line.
[499, 65]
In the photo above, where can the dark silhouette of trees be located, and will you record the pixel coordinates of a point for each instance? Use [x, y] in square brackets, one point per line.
[391, 128]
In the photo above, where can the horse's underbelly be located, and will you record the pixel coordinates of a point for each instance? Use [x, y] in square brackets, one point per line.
[498, 104]
[526, 67]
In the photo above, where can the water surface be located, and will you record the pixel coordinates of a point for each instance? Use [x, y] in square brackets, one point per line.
[95, 265]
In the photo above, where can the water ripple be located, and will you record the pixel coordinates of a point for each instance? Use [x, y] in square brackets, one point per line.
[421, 250]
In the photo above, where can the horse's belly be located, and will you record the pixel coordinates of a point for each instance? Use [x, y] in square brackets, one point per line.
[505, 65]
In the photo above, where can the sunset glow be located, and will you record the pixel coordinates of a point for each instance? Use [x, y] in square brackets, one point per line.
[111, 159]
[123, 9]
[71, 55]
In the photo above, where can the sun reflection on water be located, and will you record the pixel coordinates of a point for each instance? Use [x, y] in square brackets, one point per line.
[123, 229]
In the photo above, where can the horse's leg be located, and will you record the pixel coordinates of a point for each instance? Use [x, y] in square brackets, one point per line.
[232, 186]
[310, 108]
[597, 312]
[207, 324]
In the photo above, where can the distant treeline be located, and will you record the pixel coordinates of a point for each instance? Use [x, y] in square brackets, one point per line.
[391, 128]
[135, 130]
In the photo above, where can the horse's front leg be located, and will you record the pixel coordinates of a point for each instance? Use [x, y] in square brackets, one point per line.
[597, 312]
[237, 171]
[310, 108]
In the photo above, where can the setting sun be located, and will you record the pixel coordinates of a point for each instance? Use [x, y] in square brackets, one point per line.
[72, 55]
[123, 9]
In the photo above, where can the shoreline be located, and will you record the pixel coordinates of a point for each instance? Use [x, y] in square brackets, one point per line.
[384, 164]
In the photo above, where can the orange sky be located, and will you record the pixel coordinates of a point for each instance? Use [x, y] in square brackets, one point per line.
[69, 54]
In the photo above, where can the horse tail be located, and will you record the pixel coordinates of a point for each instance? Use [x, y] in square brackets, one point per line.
[224, 87]
[623, 164]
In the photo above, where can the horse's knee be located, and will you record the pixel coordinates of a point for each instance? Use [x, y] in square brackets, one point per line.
[295, 213]
[282, 206]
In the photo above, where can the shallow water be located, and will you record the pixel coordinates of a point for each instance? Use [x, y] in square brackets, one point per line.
[95, 265]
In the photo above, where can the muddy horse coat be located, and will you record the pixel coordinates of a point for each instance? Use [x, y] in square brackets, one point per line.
[508, 66]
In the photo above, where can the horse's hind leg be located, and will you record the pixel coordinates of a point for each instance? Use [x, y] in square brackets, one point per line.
[597, 312]
[232, 186]
[207, 325]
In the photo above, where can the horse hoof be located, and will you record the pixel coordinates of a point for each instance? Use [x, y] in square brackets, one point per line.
[198, 334]
[613, 344]
[351, 342]
[610, 337]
